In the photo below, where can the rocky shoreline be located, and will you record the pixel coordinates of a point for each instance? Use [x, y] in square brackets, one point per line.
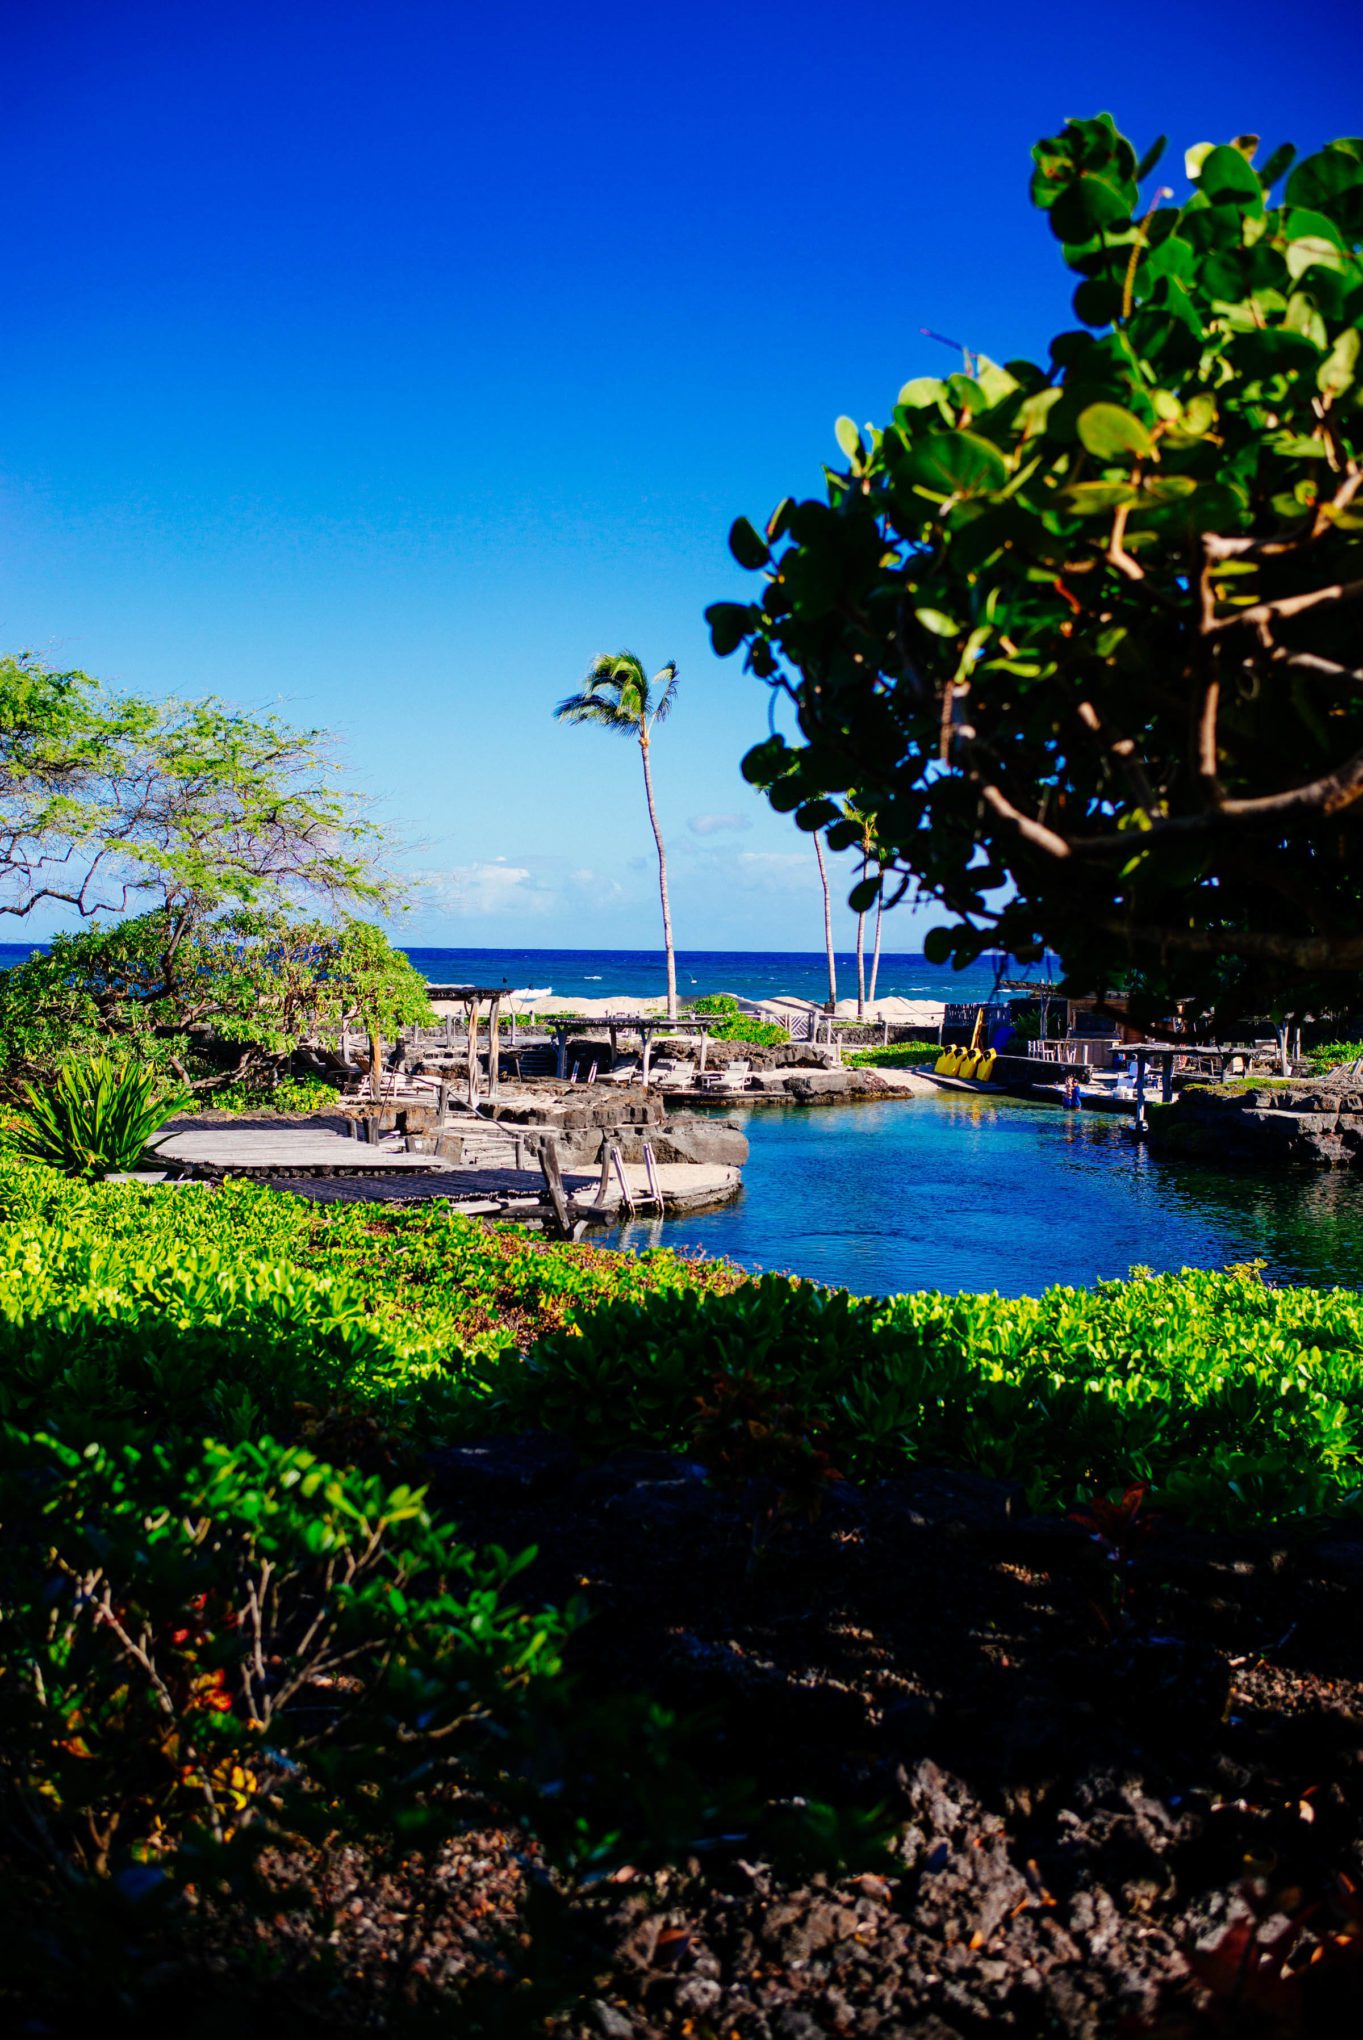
[1310, 1125]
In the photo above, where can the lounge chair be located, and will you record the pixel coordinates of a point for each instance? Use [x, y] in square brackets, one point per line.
[624, 1073]
[734, 1077]
[680, 1076]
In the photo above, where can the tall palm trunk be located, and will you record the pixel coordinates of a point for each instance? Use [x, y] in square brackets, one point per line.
[827, 924]
[662, 883]
[875, 951]
[861, 947]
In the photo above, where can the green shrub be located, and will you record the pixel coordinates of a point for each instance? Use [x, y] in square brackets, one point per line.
[95, 1117]
[1331, 1053]
[290, 1094]
[734, 1024]
[201, 1640]
[1234, 1400]
[899, 1055]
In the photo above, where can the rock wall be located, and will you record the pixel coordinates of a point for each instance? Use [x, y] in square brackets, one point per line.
[1312, 1125]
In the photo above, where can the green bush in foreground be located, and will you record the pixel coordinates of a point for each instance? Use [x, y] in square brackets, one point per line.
[242, 1313]
[1235, 1401]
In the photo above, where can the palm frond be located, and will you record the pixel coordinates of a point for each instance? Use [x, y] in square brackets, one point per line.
[599, 710]
[667, 676]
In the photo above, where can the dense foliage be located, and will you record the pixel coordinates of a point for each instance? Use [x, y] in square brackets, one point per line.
[734, 1025]
[899, 1055]
[240, 1636]
[1084, 635]
[106, 798]
[215, 1001]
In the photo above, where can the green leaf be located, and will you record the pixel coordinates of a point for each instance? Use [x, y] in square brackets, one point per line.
[729, 624]
[1086, 206]
[864, 894]
[1322, 180]
[1336, 372]
[848, 438]
[939, 623]
[954, 464]
[1279, 162]
[1151, 158]
[765, 762]
[1111, 433]
[1303, 316]
[1098, 301]
[1092, 499]
[922, 391]
[1227, 178]
[816, 814]
[748, 546]
[938, 945]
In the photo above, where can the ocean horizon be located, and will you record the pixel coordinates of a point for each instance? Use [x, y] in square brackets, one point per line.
[642, 973]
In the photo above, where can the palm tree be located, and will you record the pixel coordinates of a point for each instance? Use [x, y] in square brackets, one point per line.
[867, 824]
[827, 925]
[618, 695]
[875, 952]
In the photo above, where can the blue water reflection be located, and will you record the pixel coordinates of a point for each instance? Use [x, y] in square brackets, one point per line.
[968, 1191]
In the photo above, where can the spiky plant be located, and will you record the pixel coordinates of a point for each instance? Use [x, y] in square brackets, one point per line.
[99, 1116]
[618, 695]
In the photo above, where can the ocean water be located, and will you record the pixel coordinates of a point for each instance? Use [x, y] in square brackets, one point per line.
[754, 973]
[964, 1191]
[642, 973]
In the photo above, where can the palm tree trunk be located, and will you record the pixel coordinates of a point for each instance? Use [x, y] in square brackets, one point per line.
[827, 924]
[662, 885]
[875, 951]
[861, 949]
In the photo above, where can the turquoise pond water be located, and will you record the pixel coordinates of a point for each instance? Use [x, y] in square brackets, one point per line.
[966, 1191]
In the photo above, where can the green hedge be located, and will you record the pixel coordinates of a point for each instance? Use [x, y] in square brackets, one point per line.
[1238, 1402]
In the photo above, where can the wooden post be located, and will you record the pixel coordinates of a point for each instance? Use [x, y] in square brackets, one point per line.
[561, 1042]
[1142, 1124]
[553, 1182]
[603, 1188]
[885, 1036]
[473, 1054]
[647, 1034]
[449, 1033]
[1166, 1079]
[704, 1044]
[494, 1053]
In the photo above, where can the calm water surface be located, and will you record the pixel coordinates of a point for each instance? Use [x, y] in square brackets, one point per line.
[965, 1191]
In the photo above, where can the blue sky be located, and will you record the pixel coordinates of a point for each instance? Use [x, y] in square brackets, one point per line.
[383, 362]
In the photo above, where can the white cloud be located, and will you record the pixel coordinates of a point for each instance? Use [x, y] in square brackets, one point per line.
[487, 887]
[784, 868]
[712, 825]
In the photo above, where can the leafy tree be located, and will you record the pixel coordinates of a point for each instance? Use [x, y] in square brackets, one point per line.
[106, 799]
[1085, 636]
[618, 695]
[223, 1001]
[363, 973]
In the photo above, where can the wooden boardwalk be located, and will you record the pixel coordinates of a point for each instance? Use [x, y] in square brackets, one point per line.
[331, 1168]
[287, 1150]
